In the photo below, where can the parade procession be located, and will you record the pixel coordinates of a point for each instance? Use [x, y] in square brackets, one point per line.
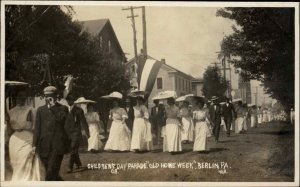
[75, 98]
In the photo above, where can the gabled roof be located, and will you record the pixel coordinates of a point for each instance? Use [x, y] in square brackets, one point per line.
[95, 27]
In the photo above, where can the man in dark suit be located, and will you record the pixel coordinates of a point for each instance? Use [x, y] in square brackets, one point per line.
[50, 140]
[215, 116]
[158, 119]
[228, 112]
[75, 120]
[130, 113]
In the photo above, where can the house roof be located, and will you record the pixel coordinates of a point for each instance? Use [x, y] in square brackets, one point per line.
[95, 27]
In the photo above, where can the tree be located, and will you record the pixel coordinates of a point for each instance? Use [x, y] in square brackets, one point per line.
[33, 32]
[262, 45]
[214, 84]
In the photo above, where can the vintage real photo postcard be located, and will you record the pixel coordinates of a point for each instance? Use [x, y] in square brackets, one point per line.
[149, 93]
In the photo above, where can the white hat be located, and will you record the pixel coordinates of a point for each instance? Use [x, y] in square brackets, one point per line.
[113, 95]
[82, 100]
[213, 98]
[49, 90]
[236, 100]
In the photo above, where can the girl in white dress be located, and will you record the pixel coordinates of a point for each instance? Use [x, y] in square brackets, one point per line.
[187, 134]
[26, 165]
[259, 116]
[141, 131]
[119, 134]
[93, 120]
[172, 140]
[253, 113]
[240, 120]
[200, 117]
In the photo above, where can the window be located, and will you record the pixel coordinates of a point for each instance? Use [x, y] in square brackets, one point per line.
[159, 83]
[179, 83]
[109, 46]
[100, 42]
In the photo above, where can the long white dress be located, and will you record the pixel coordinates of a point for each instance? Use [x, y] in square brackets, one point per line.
[141, 131]
[240, 120]
[26, 166]
[259, 117]
[172, 140]
[119, 135]
[187, 132]
[253, 117]
[201, 130]
[265, 116]
[94, 141]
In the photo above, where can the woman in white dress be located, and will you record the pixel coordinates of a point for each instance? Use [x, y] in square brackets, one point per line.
[25, 164]
[93, 120]
[187, 134]
[200, 117]
[240, 120]
[253, 113]
[141, 131]
[119, 134]
[172, 140]
[259, 116]
[265, 116]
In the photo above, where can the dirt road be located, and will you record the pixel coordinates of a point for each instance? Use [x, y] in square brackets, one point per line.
[262, 154]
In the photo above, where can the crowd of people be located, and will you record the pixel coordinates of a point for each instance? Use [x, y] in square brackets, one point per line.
[40, 139]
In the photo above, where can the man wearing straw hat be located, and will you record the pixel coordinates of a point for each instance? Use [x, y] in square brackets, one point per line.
[215, 116]
[50, 138]
[75, 120]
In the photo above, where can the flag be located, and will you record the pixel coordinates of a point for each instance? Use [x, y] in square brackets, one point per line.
[149, 71]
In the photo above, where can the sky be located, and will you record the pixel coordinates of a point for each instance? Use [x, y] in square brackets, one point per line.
[187, 37]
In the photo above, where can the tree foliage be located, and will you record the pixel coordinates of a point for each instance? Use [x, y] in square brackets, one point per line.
[33, 31]
[263, 44]
[214, 84]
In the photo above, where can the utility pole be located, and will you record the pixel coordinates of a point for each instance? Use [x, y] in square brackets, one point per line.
[134, 36]
[215, 63]
[144, 32]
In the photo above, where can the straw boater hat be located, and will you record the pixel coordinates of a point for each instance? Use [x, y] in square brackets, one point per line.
[50, 90]
[113, 95]
[213, 98]
[82, 100]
